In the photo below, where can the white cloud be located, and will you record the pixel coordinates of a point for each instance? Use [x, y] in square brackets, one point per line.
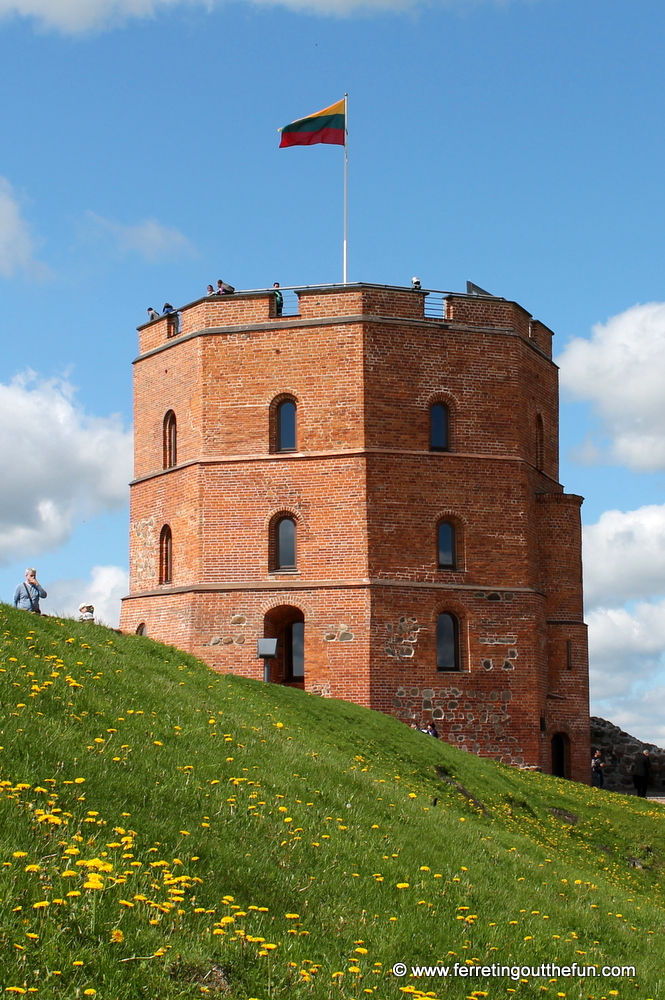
[624, 578]
[627, 667]
[17, 243]
[621, 372]
[624, 556]
[82, 15]
[149, 239]
[642, 716]
[71, 16]
[105, 587]
[57, 461]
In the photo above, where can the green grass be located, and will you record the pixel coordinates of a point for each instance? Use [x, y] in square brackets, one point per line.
[169, 832]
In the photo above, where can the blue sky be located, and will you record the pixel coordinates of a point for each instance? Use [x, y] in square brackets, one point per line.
[517, 144]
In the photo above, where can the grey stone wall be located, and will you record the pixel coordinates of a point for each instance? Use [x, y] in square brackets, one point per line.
[619, 750]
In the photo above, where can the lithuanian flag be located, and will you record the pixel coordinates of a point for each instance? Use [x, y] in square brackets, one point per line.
[328, 125]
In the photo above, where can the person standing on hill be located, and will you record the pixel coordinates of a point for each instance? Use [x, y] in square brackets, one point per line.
[641, 773]
[597, 766]
[27, 594]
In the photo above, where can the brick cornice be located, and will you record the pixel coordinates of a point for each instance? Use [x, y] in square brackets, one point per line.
[279, 584]
[281, 324]
[337, 453]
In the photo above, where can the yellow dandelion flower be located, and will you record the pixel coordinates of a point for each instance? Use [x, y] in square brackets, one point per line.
[41, 905]
[292, 916]
[117, 937]
[402, 885]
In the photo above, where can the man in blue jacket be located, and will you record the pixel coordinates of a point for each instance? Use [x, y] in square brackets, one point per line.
[27, 595]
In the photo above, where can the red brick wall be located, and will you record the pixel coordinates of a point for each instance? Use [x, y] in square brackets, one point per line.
[364, 366]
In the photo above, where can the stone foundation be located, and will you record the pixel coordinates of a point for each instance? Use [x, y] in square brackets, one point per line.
[619, 750]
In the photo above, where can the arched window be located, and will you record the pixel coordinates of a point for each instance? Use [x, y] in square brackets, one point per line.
[285, 426]
[446, 546]
[447, 642]
[285, 543]
[438, 427]
[170, 440]
[141, 629]
[540, 443]
[165, 555]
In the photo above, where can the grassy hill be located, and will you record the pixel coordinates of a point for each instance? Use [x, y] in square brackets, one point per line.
[168, 832]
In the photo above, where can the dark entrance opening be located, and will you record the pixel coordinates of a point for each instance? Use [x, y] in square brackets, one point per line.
[287, 624]
[559, 755]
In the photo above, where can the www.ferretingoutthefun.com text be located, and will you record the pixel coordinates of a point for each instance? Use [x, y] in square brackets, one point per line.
[547, 970]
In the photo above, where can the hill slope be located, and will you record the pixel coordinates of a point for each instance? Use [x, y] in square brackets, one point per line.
[169, 832]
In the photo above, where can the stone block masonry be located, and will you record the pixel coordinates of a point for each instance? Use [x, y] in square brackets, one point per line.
[482, 632]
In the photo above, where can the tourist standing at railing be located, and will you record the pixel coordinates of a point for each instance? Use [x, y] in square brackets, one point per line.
[279, 299]
[223, 288]
[167, 308]
[152, 314]
[210, 290]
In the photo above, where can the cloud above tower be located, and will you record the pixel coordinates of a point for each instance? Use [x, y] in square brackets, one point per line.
[151, 240]
[619, 371]
[58, 463]
[78, 16]
[18, 243]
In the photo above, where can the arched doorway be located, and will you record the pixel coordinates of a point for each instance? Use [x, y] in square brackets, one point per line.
[560, 755]
[287, 624]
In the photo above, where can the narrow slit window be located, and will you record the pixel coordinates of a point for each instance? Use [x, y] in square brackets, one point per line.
[446, 545]
[285, 426]
[438, 427]
[165, 555]
[447, 642]
[285, 543]
[170, 440]
[540, 443]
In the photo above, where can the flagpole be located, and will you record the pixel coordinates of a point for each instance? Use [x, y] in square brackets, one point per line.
[346, 190]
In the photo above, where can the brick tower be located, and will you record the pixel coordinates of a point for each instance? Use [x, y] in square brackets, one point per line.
[373, 481]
